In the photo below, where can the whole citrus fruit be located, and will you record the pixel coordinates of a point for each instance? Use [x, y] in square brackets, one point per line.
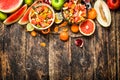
[92, 13]
[64, 36]
[74, 28]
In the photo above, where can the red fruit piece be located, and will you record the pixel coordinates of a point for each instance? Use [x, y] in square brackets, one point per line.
[79, 42]
[16, 16]
[25, 19]
[113, 4]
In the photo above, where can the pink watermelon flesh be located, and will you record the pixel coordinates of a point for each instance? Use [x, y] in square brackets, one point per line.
[25, 19]
[16, 16]
[9, 6]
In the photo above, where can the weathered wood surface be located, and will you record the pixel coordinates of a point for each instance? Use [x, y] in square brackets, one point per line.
[22, 57]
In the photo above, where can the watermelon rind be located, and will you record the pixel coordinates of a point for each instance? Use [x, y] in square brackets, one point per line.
[13, 9]
[16, 16]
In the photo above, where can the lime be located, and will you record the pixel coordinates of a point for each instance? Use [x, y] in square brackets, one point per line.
[28, 2]
[3, 16]
[29, 27]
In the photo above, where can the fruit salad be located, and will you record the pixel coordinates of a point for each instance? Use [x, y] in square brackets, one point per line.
[42, 16]
[74, 13]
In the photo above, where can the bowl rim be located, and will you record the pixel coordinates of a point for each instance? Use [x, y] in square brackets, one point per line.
[53, 19]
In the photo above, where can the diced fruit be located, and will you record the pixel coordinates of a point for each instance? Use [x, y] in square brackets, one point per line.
[74, 28]
[28, 2]
[29, 27]
[9, 6]
[16, 16]
[64, 36]
[92, 13]
[87, 27]
[3, 16]
[33, 33]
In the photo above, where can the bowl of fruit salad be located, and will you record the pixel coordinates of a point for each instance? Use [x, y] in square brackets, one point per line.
[41, 16]
[74, 12]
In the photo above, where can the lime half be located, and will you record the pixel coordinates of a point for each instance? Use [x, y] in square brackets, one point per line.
[3, 16]
[29, 27]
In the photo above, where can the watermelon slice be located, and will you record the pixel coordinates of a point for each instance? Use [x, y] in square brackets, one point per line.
[25, 19]
[16, 16]
[9, 6]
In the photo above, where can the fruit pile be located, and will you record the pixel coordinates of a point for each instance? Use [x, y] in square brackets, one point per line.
[69, 14]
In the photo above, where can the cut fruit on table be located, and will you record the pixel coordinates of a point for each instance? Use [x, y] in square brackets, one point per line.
[103, 13]
[29, 27]
[3, 16]
[58, 17]
[87, 27]
[9, 6]
[25, 18]
[16, 16]
[79, 42]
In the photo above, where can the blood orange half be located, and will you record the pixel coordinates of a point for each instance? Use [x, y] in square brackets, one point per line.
[87, 27]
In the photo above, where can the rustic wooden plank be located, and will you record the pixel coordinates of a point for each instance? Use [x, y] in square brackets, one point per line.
[112, 54]
[83, 59]
[59, 68]
[1, 46]
[37, 57]
[14, 52]
[118, 42]
[105, 50]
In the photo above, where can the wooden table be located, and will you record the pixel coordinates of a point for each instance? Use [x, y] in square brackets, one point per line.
[22, 57]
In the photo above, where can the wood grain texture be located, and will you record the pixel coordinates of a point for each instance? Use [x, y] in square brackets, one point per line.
[14, 51]
[23, 58]
[37, 57]
[59, 68]
[83, 59]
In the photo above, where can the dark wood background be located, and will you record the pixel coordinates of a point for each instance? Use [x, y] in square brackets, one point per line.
[22, 57]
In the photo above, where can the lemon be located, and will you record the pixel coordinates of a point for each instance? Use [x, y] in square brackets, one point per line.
[28, 2]
[3, 16]
[58, 18]
[29, 27]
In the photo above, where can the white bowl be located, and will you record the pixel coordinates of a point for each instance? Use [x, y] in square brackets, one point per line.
[43, 4]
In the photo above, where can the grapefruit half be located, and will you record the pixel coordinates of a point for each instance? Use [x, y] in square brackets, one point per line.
[9, 6]
[87, 27]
